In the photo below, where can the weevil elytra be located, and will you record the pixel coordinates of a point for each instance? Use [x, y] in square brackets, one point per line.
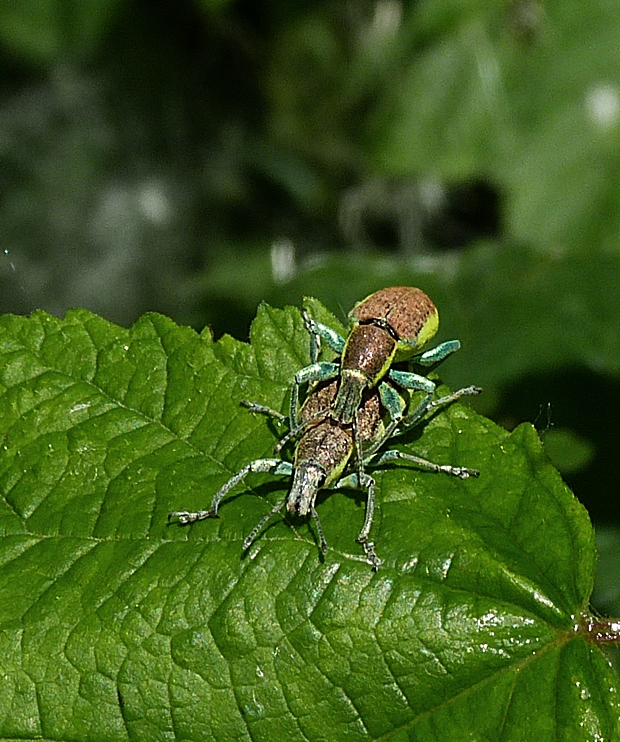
[389, 326]
[331, 455]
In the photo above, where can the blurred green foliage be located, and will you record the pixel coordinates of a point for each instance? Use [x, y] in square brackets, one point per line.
[200, 156]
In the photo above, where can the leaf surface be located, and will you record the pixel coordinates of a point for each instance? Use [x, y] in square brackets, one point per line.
[115, 625]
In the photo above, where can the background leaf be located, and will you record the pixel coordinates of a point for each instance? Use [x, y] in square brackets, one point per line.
[115, 625]
[46, 31]
[516, 93]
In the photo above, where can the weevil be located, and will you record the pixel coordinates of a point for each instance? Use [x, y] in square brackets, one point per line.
[389, 326]
[327, 457]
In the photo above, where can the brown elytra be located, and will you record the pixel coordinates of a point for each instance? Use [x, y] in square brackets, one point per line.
[404, 309]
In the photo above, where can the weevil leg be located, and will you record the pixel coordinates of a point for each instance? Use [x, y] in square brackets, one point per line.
[466, 391]
[436, 355]
[395, 405]
[318, 330]
[364, 481]
[371, 555]
[260, 409]
[319, 529]
[300, 429]
[315, 372]
[457, 471]
[399, 424]
[409, 380]
[420, 383]
[435, 404]
[286, 438]
[259, 526]
[417, 383]
[276, 509]
[272, 466]
[368, 483]
[358, 445]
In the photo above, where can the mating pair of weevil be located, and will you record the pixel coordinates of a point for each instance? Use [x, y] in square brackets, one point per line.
[353, 406]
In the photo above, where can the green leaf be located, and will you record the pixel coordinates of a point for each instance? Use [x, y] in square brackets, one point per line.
[114, 625]
[50, 30]
[568, 451]
[524, 94]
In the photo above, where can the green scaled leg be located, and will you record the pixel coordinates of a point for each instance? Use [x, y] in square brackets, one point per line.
[461, 472]
[298, 431]
[276, 509]
[436, 355]
[309, 374]
[395, 405]
[361, 480]
[272, 466]
[414, 417]
[260, 409]
[415, 382]
[259, 526]
[318, 330]
[399, 423]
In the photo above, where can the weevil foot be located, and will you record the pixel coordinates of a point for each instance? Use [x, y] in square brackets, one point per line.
[184, 516]
[461, 472]
[371, 554]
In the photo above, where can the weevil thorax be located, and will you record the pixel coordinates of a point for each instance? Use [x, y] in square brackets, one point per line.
[387, 326]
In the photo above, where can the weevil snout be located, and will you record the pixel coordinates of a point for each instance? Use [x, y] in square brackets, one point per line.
[307, 481]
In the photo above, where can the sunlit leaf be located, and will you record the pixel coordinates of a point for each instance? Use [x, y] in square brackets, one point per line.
[115, 625]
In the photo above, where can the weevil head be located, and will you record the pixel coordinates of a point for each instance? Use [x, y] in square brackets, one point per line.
[407, 313]
[308, 478]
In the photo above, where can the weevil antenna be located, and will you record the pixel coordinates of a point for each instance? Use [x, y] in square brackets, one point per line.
[319, 529]
[259, 526]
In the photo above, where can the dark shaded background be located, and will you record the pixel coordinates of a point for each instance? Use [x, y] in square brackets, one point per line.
[198, 156]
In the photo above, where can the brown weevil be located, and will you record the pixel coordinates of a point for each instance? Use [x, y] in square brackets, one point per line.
[330, 454]
[387, 327]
